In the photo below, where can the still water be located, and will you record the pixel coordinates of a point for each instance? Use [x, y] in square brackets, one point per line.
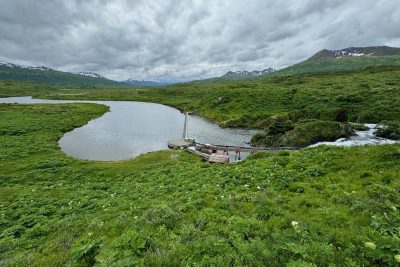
[134, 128]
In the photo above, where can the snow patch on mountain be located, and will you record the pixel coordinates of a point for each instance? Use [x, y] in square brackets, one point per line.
[349, 52]
[246, 73]
[89, 74]
[11, 65]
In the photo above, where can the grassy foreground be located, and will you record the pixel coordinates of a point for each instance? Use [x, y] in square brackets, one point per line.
[317, 207]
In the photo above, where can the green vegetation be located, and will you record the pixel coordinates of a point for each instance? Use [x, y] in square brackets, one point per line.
[390, 131]
[56, 78]
[325, 206]
[359, 127]
[304, 133]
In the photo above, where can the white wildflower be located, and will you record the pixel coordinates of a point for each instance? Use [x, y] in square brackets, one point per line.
[246, 185]
[295, 224]
[370, 245]
[397, 258]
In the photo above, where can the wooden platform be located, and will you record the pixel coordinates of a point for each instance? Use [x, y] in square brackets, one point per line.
[180, 143]
[244, 149]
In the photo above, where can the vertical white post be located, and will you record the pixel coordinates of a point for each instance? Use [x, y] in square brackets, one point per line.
[184, 136]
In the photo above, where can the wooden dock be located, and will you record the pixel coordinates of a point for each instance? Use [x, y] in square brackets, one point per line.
[216, 153]
[243, 149]
[220, 153]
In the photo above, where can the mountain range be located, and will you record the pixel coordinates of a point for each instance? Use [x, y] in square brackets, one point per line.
[351, 58]
[41, 74]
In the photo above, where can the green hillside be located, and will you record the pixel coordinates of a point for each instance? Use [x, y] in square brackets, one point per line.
[54, 78]
[339, 64]
[352, 58]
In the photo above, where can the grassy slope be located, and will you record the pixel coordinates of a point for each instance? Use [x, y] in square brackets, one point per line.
[55, 78]
[169, 209]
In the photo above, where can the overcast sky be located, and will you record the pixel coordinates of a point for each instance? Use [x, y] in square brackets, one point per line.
[187, 39]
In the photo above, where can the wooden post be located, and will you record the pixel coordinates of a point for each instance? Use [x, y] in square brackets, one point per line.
[185, 126]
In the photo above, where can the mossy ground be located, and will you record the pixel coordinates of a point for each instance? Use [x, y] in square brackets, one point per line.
[325, 206]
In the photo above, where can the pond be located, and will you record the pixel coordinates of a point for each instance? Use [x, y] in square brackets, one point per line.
[134, 128]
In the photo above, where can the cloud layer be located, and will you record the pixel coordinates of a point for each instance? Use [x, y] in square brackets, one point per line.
[187, 39]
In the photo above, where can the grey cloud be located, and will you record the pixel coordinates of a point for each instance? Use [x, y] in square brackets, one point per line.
[183, 40]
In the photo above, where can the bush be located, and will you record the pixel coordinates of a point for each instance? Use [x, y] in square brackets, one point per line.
[162, 215]
[278, 124]
[359, 127]
[390, 131]
[304, 133]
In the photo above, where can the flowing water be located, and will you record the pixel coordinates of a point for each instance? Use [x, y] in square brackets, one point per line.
[360, 138]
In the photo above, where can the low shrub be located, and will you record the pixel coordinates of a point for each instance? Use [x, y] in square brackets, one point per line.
[304, 133]
[390, 131]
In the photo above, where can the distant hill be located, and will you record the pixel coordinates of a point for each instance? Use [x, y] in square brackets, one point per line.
[352, 58]
[376, 51]
[142, 83]
[9, 71]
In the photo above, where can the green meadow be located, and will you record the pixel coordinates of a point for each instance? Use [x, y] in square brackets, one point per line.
[316, 207]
